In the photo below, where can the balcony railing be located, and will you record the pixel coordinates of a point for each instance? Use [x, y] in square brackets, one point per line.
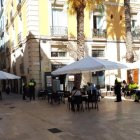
[99, 33]
[59, 31]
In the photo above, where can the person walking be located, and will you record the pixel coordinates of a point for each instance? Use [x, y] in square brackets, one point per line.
[31, 86]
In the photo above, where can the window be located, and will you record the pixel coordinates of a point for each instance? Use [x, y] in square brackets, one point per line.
[98, 78]
[58, 54]
[58, 51]
[98, 25]
[133, 23]
[18, 1]
[97, 53]
[59, 25]
[1, 3]
[58, 16]
[97, 21]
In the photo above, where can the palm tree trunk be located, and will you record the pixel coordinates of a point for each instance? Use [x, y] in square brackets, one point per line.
[129, 40]
[80, 33]
[80, 42]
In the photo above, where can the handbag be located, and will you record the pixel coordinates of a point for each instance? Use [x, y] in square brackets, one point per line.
[73, 97]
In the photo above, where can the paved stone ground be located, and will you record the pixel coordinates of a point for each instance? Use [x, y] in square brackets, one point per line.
[24, 120]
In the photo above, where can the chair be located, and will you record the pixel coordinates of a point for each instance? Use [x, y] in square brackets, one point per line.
[76, 103]
[93, 99]
[61, 96]
[99, 91]
[49, 95]
[42, 94]
[55, 98]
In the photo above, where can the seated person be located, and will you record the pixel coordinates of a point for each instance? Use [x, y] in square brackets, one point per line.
[132, 86]
[94, 90]
[124, 87]
[74, 92]
[91, 88]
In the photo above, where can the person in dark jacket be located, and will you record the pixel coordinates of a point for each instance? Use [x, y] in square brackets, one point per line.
[31, 86]
[117, 88]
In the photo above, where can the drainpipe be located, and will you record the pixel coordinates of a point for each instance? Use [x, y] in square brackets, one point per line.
[40, 67]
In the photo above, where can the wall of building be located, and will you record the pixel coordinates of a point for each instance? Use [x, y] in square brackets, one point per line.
[34, 49]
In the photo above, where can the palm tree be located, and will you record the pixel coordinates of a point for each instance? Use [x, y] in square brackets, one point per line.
[129, 40]
[78, 6]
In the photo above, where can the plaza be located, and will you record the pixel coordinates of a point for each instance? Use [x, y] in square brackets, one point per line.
[25, 120]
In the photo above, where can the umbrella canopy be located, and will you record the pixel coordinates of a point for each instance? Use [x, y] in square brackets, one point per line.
[89, 64]
[6, 75]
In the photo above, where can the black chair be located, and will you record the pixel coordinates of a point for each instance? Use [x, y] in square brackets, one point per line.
[55, 98]
[76, 103]
[42, 94]
[93, 98]
[99, 92]
[61, 96]
[49, 95]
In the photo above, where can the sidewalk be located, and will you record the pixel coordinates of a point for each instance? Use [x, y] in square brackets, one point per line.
[24, 120]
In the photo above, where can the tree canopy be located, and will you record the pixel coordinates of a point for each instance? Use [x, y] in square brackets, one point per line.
[75, 5]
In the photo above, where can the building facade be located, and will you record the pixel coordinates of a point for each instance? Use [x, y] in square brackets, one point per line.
[40, 36]
[2, 46]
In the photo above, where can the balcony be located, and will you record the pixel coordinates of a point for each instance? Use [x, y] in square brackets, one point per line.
[59, 31]
[99, 33]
